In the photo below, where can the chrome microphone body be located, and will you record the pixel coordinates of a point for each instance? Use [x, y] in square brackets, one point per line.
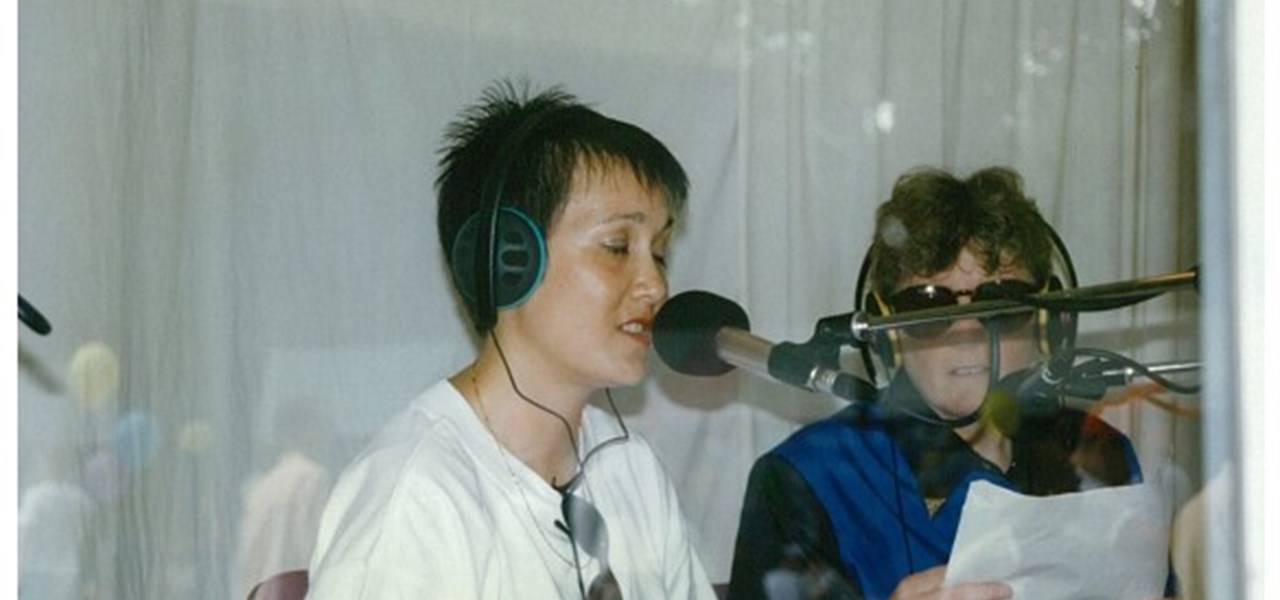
[700, 333]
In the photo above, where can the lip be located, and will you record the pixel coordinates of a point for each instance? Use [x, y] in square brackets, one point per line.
[969, 371]
[644, 336]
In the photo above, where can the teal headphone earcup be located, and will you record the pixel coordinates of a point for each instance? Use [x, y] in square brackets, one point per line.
[518, 264]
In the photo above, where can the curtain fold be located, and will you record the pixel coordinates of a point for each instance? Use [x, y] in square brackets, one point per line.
[226, 210]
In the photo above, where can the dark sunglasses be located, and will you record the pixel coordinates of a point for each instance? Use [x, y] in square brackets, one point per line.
[922, 297]
[585, 527]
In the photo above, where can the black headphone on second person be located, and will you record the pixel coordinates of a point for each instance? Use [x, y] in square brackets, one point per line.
[1055, 330]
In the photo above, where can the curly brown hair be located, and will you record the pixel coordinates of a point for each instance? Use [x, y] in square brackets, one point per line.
[932, 215]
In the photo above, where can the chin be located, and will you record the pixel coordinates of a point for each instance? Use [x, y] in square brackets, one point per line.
[630, 377]
[631, 381]
[957, 408]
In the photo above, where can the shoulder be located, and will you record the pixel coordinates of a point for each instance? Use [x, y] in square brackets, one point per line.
[420, 456]
[431, 427]
[843, 431]
[1081, 448]
[414, 490]
[1070, 428]
[772, 475]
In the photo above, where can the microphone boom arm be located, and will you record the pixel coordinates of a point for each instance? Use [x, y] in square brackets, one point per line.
[799, 365]
[857, 327]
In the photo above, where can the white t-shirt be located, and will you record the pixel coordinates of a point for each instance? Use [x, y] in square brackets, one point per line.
[434, 508]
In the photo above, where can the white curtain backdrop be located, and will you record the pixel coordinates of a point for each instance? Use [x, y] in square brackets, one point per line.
[226, 212]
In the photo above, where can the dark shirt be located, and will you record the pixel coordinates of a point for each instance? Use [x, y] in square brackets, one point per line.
[873, 494]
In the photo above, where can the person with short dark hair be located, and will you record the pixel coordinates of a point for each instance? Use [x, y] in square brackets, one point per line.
[501, 481]
[875, 493]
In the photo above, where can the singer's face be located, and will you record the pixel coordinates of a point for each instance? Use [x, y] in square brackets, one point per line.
[588, 323]
[953, 370]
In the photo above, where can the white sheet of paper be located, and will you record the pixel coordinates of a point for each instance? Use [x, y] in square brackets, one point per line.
[1108, 543]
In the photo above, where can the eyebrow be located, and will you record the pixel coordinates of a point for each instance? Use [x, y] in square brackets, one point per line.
[635, 217]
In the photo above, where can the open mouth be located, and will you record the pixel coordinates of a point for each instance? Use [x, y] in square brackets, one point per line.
[638, 330]
[633, 327]
[969, 371]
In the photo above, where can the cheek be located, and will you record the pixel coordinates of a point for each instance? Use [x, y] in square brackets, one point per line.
[921, 365]
[1017, 353]
[572, 288]
[932, 349]
[918, 359]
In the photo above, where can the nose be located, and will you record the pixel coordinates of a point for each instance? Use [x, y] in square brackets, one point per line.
[650, 283]
[967, 329]
[967, 324]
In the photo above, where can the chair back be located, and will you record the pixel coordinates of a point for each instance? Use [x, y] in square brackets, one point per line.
[289, 585]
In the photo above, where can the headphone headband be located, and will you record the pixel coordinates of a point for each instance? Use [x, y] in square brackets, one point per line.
[498, 223]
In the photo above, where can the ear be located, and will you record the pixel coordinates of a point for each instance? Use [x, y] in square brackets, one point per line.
[886, 343]
[1055, 330]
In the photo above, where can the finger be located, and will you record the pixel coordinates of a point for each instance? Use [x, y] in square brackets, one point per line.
[978, 591]
[922, 583]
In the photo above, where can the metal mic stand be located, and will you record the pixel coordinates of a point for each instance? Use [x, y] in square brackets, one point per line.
[857, 327]
[1086, 380]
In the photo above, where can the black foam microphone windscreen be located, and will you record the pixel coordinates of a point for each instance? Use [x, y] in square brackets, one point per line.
[685, 328]
[32, 317]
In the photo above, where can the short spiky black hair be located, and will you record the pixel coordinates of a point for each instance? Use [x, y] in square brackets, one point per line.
[555, 135]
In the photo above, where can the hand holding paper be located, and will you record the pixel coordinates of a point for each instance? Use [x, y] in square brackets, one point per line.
[927, 585]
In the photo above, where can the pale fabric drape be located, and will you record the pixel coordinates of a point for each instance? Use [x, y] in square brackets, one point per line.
[229, 205]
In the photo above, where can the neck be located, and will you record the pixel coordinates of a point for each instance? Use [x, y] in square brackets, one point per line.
[989, 443]
[531, 434]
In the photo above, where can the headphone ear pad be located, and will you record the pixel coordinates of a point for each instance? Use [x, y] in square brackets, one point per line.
[519, 259]
[885, 342]
[1055, 330]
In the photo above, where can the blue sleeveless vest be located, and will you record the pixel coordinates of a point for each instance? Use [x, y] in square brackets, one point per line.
[864, 482]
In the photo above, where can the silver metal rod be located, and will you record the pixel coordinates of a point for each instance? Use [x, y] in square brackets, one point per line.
[1128, 374]
[743, 350]
[863, 324]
